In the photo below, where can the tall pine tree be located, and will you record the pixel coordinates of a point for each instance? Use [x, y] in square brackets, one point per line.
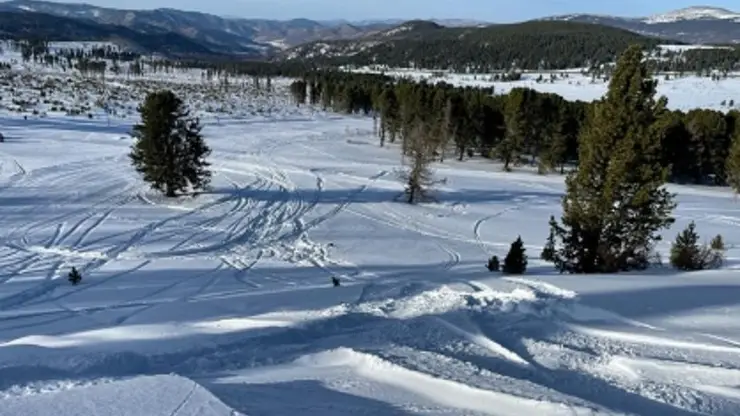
[733, 161]
[169, 150]
[615, 202]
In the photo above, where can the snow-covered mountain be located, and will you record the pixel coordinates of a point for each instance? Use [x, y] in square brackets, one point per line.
[694, 13]
[216, 33]
[698, 24]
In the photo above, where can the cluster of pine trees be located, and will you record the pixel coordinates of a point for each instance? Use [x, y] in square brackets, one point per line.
[98, 52]
[625, 146]
[524, 126]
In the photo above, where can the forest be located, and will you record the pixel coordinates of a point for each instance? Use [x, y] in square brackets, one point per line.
[536, 45]
[521, 127]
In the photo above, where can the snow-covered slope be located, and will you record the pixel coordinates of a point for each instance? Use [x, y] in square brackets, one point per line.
[684, 92]
[698, 24]
[223, 303]
[148, 395]
[694, 13]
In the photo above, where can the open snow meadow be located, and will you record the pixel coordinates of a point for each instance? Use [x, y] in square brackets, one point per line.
[222, 304]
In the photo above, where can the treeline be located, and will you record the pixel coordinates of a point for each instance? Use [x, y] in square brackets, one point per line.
[698, 61]
[543, 45]
[521, 127]
[31, 49]
[99, 52]
[247, 67]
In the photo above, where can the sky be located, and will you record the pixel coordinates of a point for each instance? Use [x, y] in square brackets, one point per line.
[498, 11]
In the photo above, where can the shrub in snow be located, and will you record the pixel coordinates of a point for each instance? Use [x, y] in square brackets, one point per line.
[74, 276]
[516, 260]
[493, 264]
[717, 243]
[687, 254]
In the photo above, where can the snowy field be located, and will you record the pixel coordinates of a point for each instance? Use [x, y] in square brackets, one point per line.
[223, 304]
[684, 92]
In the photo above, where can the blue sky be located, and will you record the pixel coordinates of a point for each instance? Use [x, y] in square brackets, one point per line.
[490, 10]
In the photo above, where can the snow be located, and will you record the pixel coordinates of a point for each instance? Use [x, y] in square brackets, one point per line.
[154, 395]
[694, 13]
[683, 48]
[222, 304]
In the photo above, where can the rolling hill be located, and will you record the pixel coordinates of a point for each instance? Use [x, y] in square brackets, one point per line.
[529, 45]
[692, 24]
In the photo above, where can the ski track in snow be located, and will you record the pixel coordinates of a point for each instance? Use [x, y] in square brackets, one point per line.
[231, 289]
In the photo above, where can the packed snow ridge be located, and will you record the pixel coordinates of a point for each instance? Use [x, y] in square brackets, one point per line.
[222, 304]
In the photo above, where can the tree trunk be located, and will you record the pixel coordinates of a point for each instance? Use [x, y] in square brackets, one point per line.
[170, 191]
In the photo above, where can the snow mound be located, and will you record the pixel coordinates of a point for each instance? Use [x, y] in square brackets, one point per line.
[155, 395]
[435, 391]
[416, 299]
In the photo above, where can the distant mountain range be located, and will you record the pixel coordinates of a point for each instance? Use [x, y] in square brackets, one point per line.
[178, 32]
[700, 24]
[247, 37]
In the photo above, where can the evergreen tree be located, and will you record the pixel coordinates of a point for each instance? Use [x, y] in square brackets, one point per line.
[733, 162]
[299, 90]
[389, 115]
[688, 255]
[517, 127]
[314, 92]
[515, 261]
[418, 176]
[494, 264]
[74, 276]
[615, 202]
[548, 252]
[169, 151]
[556, 149]
[717, 243]
[708, 131]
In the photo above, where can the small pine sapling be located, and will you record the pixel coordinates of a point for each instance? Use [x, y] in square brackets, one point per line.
[688, 255]
[685, 250]
[74, 276]
[717, 243]
[516, 260]
[494, 264]
[548, 252]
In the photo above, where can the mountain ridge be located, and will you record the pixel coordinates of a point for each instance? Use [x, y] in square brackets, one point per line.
[217, 33]
[204, 34]
[695, 24]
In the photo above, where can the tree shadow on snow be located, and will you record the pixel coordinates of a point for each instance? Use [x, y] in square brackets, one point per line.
[377, 195]
[71, 124]
[301, 397]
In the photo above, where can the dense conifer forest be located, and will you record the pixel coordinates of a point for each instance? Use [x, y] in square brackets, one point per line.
[545, 45]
